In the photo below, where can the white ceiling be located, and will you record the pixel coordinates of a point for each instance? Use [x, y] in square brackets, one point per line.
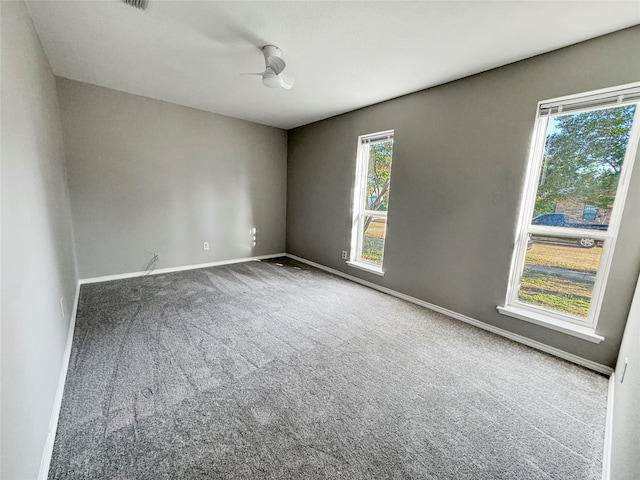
[344, 55]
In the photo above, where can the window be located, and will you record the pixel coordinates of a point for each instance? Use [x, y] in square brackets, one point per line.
[371, 200]
[580, 166]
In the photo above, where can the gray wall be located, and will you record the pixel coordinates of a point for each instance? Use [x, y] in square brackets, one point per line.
[148, 177]
[625, 460]
[38, 266]
[459, 161]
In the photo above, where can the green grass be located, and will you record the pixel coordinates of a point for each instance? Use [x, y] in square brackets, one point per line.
[557, 294]
[371, 243]
[371, 251]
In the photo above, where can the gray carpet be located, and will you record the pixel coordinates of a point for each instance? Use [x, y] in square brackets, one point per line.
[277, 370]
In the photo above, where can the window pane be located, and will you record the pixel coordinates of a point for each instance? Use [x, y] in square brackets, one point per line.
[378, 175]
[374, 229]
[559, 275]
[583, 156]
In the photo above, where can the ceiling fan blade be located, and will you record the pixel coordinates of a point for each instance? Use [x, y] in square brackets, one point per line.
[272, 76]
[277, 64]
[286, 81]
[271, 80]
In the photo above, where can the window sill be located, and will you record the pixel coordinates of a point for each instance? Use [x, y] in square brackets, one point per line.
[585, 333]
[366, 268]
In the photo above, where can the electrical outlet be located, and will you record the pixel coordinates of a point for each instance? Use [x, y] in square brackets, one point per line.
[206, 245]
[62, 306]
[344, 254]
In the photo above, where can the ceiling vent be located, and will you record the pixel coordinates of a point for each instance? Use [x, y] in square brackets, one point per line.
[141, 4]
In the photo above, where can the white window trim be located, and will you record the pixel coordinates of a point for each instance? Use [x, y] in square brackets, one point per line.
[532, 316]
[375, 269]
[557, 321]
[359, 194]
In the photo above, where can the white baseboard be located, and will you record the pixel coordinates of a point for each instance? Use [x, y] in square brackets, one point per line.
[120, 276]
[477, 323]
[608, 431]
[57, 401]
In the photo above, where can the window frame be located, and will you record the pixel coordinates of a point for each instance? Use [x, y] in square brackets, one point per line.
[583, 328]
[357, 206]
